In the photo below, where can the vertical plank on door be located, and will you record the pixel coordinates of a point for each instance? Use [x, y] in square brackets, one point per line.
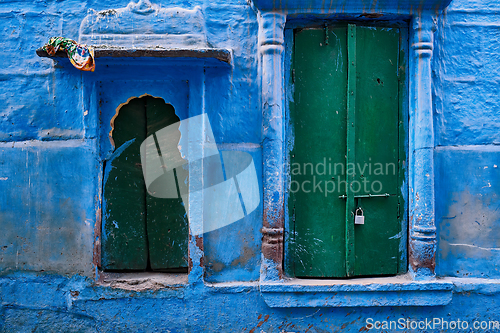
[167, 226]
[377, 150]
[124, 233]
[319, 125]
[351, 147]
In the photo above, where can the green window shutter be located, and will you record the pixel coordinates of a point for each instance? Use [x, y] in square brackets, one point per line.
[346, 115]
[125, 245]
[140, 232]
[167, 225]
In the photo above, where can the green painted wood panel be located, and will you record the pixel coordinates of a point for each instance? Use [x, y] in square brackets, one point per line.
[377, 110]
[125, 245]
[346, 109]
[377, 150]
[319, 122]
[377, 241]
[167, 225]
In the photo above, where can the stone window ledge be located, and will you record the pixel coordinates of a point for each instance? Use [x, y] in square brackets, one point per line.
[142, 281]
[363, 292]
[232, 287]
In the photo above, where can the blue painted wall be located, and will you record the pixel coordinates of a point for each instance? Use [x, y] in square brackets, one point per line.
[53, 139]
[467, 134]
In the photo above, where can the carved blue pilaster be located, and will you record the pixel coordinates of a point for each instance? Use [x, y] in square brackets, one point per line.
[422, 244]
[271, 47]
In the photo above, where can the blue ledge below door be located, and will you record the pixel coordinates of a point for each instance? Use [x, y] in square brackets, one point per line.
[363, 292]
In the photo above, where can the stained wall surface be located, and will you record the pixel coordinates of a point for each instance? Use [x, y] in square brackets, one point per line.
[467, 142]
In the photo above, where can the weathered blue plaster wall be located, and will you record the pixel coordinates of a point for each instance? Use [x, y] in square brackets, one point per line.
[467, 134]
[469, 216]
[47, 205]
[53, 143]
[51, 302]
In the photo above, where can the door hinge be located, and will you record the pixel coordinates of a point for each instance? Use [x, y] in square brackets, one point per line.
[293, 75]
[399, 212]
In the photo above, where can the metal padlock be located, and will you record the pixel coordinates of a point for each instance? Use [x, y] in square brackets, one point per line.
[359, 219]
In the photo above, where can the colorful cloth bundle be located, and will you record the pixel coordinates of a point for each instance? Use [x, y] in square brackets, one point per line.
[80, 55]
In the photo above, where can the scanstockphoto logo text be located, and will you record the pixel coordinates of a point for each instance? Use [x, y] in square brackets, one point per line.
[441, 324]
[329, 177]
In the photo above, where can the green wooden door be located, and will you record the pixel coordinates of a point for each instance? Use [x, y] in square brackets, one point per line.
[140, 232]
[348, 152]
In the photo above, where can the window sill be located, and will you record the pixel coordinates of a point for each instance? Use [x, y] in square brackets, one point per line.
[364, 292]
[143, 281]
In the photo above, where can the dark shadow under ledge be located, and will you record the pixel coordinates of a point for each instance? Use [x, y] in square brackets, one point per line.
[223, 55]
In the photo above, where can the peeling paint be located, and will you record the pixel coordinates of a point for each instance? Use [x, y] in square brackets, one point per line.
[97, 239]
[199, 242]
[248, 254]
